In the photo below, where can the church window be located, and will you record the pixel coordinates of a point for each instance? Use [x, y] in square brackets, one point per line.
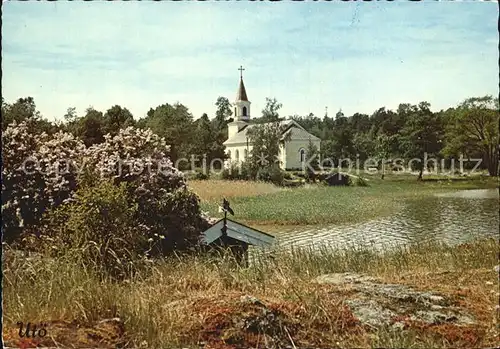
[244, 111]
[234, 111]
[246, 153]
[302, 152]
[237, 155]
[229, 154]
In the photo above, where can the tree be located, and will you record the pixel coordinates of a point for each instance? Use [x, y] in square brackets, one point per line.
[422, 135]
[364, 145]
[383, 150]
[270, 112]
[340, 114]
[175, 124]
[90, 128]
[222, 118]
[24, 109]
[267, 140]
[473, 128]
[117, 118]
[70, 115]
[207, 141]
[312, 160]
[223, 112]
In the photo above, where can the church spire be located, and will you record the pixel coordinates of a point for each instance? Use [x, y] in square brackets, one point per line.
[242, 104]
[242, 93]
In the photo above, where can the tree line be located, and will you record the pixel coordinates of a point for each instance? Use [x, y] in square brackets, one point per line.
[469, 129]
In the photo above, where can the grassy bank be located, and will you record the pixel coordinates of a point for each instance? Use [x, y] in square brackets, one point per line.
[179, 302]
[267, 205]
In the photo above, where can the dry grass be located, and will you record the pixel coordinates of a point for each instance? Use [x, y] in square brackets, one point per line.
[214, 190]
[183, 301]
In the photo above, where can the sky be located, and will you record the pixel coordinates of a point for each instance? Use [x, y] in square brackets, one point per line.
[352, 56]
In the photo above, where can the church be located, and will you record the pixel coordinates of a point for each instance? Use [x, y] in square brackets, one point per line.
[238, 146]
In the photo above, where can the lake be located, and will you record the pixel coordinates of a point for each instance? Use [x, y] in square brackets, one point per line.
[453, 217]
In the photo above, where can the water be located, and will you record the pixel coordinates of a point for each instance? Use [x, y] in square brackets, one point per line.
[451, 217]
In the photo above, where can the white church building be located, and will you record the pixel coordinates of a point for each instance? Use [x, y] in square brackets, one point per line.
[238, 146]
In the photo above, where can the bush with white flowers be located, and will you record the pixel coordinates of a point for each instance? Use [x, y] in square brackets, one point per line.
[41, 173]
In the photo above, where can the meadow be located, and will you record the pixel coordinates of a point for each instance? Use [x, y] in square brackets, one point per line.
[277, 208]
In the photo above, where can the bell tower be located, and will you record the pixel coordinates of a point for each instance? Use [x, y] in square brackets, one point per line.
[242, 105]
[241, 109]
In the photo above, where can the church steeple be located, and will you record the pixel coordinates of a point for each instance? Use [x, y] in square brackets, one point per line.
[242, 104]
[242, 93]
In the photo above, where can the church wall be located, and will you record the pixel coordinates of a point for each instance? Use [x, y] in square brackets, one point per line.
[292, 158]
[241, 149]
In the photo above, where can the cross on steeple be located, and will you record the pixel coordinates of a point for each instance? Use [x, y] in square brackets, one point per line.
[241, 71]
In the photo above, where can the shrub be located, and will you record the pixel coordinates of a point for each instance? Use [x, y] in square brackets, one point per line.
[38, 173]
[165, 204]
[271, 174]
[240, 171]
[201, 176]
[100, 222]
[137, 158]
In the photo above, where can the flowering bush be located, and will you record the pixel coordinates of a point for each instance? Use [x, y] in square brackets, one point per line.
[43, 172]
[165, 204]
[37, 174]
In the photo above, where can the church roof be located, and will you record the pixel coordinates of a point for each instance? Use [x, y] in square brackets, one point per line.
[300, 133]
[242, 93]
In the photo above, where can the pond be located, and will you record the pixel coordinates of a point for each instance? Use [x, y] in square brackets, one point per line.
[454, 217]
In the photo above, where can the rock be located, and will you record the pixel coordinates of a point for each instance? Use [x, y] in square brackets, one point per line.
[370, 312]
[379, 304]
[344, 278]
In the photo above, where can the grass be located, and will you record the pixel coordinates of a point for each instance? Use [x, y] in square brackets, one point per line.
[262, 204]
[215, 190]
[179, 302]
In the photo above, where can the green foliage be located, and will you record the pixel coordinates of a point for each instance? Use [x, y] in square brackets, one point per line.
[270, 112]
[166, 206]
[271, 174]
[117, 118]
[223, 113]
[24, 110]
[175, 124]
[312, 160]
[422, 134]
[472, 130]
[201, 176]
[100, 222]
[91, 128]
[208, 141]
[61, 163]
[267, 139]
[241, 171]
